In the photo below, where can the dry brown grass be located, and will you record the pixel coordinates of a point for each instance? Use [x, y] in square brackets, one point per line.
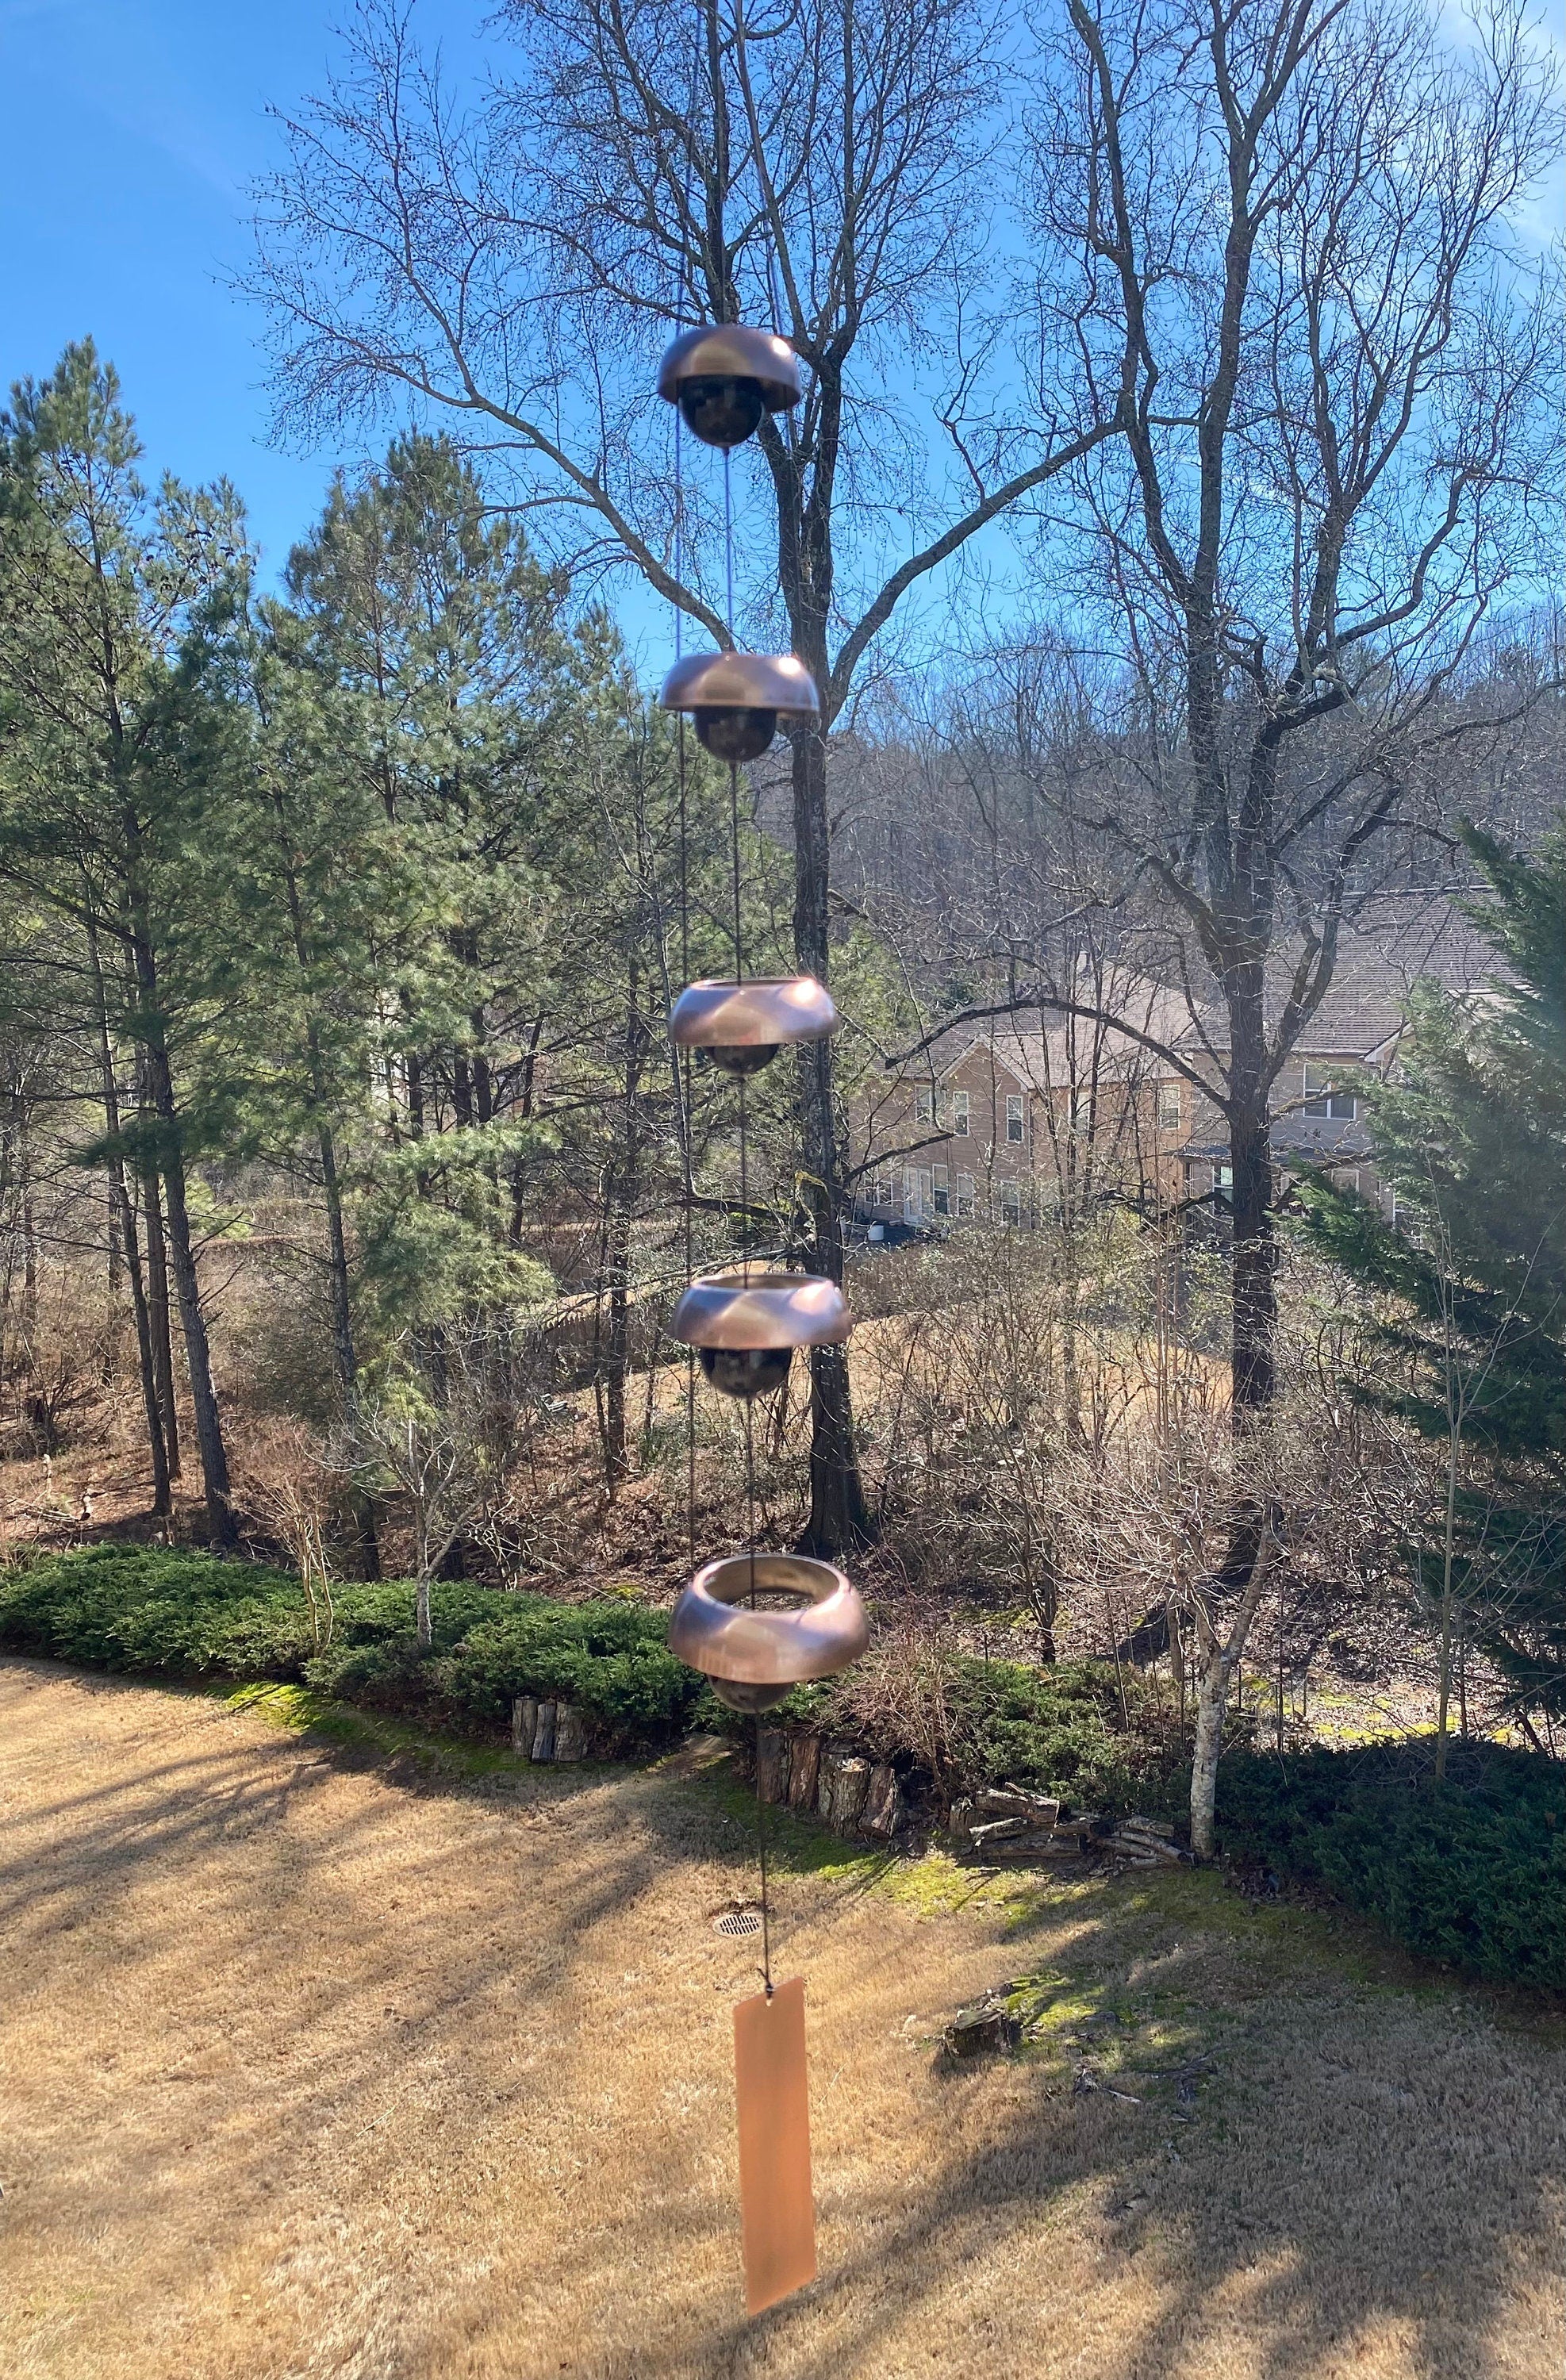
[315, 2070]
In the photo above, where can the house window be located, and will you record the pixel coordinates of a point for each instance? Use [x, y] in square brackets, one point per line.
[1011, 1202]
[1169, 1107]
[1014, 1119]
[1224, 1179]
[1322, 1100]
[940, 1189]
[924, 1104]
[960, 1114]
[886, 1190]
[964, 1196]
[917, 1201]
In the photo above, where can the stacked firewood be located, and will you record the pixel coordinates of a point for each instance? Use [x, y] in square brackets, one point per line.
[1013, 1827]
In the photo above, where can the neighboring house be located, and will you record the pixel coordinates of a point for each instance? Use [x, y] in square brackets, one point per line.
[1033, 1116]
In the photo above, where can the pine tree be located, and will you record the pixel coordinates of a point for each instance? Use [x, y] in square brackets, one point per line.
[1471, 1277]
[111, 602]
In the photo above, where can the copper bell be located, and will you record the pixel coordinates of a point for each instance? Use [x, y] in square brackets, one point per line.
[737, 698]
[742, 1025]
[723, 377]
[755, 1658]
[745, 1327]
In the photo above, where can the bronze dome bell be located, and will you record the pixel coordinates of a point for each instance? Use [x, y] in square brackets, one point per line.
[736, 700]
[755, 1658]
[745, 1327]
[742, 1025]
[724, 376]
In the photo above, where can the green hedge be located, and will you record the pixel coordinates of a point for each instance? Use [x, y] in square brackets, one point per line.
[1059, 1729]
[188, 1615]
[1470, 1872]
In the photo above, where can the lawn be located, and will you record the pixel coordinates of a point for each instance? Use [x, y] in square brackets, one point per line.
[321, 2059]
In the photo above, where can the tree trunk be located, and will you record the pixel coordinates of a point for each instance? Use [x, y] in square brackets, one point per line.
[343, 1334]
[124, 1218]
[1218, 1662]
[159, 1316]
[838, 1516]
[423, 1624]
[198, 1360]
[1212, 1686]
[342, 1316]
[198, 1352]
[1253, 1320]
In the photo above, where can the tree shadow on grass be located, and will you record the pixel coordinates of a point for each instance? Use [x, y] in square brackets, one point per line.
[1300, 2161]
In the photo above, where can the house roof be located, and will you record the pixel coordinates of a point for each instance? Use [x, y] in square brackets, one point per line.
[1359, 1017]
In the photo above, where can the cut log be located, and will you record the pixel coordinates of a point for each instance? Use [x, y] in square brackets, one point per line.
[883, 1803]
[1017, 1802]
[997, 1831]
[1151, 1846]
[804, 1770]
[543, 1732]
[975, 2030]
[844, 1784]
[850, 1783]
[524, 1722]
[570, 1733]
[771, 1765]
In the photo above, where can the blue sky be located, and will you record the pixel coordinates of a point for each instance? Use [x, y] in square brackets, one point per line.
[129, 132]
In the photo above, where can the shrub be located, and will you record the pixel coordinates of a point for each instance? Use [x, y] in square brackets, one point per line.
[152, 1607]
[1059, 1729]
[188, 1615]
[612, 1660]
[1470, 1872]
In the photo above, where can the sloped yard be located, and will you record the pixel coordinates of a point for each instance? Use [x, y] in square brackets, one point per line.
[314, 2065]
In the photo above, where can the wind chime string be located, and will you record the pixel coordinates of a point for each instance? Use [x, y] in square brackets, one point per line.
[684, 284]
[745, 1229]
[688, 1134]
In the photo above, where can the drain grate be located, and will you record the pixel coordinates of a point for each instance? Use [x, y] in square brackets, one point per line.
[738, 1921]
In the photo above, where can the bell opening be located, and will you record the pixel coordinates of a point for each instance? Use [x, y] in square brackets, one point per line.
[751, 1699]
[740, 1058]
[735, 735]
[722, 412]
[746, 1372]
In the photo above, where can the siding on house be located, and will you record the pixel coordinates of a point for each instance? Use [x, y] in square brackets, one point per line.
[1005, 1123]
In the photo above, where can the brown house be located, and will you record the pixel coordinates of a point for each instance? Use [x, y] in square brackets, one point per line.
[1036, 1115]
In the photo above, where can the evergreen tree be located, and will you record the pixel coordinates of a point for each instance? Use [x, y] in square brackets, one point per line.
[111, 606]
[1471, 1136]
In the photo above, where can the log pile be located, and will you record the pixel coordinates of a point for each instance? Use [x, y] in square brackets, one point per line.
[830, 1779]
[1009, 1825]
[1147, 1842]
[548, 1729]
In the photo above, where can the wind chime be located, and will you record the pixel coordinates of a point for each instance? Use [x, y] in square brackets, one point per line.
[744, 1324]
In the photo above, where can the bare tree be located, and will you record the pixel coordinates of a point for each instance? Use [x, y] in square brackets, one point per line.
[1336, 448]
[443, 1430]
[515, 264]
[1336, 461]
